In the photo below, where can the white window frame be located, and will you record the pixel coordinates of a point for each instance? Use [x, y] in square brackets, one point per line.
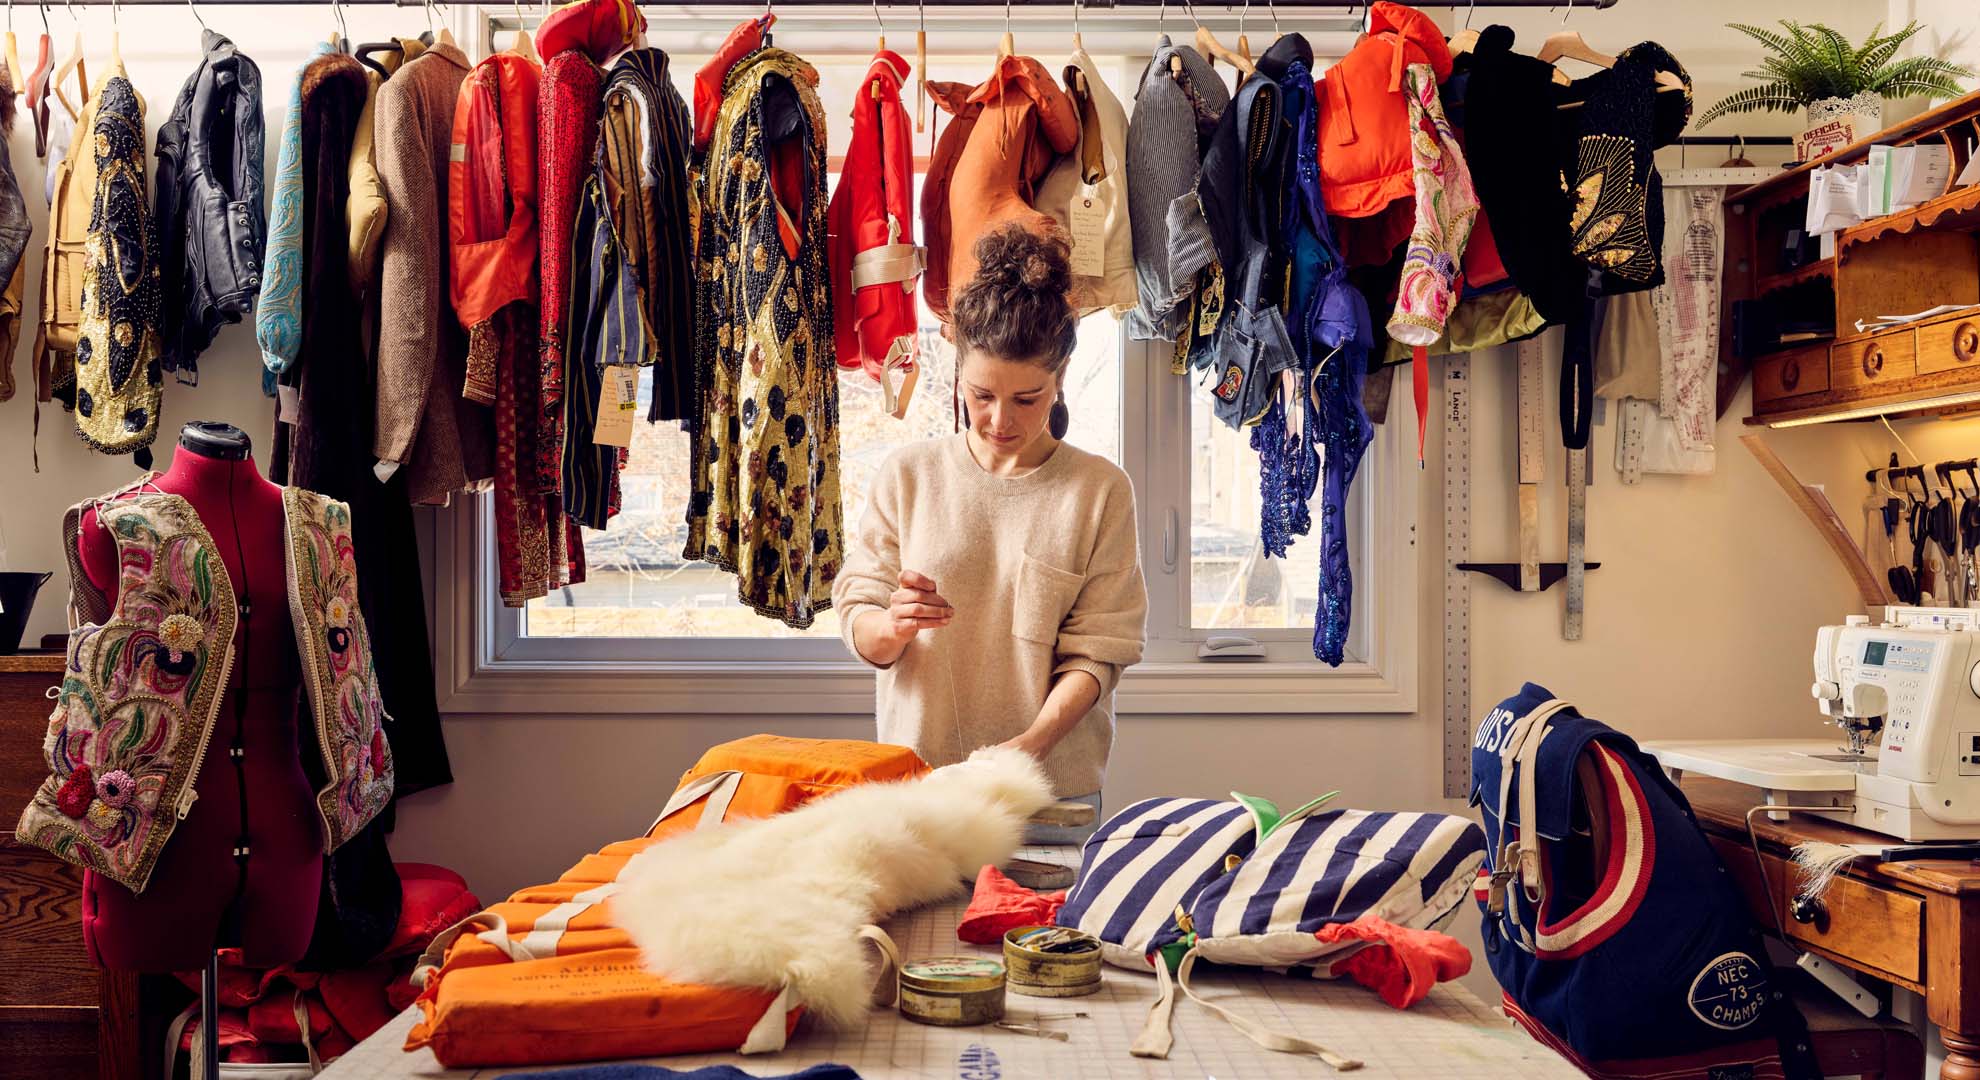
[484, 664]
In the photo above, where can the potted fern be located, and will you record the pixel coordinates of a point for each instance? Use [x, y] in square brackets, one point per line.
[1842, 86]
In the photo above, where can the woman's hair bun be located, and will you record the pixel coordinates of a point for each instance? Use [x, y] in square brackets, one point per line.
[1017, 305]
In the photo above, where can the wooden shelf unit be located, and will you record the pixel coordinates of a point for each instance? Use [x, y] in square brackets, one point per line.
[1923, 257]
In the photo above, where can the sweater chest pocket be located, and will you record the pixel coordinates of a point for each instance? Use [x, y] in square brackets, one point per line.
[1045, 594]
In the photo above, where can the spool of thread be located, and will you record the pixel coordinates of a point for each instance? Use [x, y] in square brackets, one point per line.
[952, 991]
[1052, 961]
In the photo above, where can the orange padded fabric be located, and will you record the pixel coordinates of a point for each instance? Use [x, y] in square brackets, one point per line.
[545, 977]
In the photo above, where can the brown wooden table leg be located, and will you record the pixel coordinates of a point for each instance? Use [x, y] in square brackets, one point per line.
[1962, 1055]
[1952, 981]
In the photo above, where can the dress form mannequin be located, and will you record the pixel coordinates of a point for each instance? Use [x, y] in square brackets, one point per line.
[260, 799]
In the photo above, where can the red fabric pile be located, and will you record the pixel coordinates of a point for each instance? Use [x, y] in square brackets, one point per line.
[261, 1007]
[999, 905]
[1398, 963]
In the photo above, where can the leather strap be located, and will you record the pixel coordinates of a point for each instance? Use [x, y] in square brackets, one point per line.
[1521, 857]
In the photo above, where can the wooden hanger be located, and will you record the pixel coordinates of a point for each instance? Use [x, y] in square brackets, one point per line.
[15, 73]
[1006, 45]
[442, 35]
[522, 46]
[1466, 39]
[1213, 50]
[1079, 48]
[921, 69]
[873, 87]
[337, 32]
[73, 62]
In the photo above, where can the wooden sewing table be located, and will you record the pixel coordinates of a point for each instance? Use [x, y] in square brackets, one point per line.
[1911, 924]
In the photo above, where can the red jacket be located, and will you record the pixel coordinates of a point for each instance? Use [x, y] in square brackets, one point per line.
[871, 222]
[1364, 119]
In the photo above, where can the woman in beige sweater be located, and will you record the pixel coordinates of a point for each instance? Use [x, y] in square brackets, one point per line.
[995, 576]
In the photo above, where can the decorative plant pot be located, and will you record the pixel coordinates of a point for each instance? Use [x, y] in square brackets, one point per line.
[1834, 123]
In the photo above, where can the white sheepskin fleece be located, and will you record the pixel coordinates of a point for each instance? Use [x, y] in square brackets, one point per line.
[776, 901]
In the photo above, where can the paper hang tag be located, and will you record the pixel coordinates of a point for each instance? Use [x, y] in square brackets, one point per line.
[618, 399]
[1087, 221]
[288, 404]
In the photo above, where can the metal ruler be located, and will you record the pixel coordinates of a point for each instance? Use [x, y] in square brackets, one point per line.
[1532, 459]
[1456, 404]
[1577, 560]
[1630, 438]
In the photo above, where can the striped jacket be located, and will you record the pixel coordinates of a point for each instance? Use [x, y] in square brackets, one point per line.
[645, 137]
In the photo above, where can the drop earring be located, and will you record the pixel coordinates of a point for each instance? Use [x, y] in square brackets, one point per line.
[1061, 418]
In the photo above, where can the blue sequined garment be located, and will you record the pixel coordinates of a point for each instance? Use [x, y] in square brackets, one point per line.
[1331, 333]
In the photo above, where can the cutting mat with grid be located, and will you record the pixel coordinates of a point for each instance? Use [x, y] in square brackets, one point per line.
[1451, 1035]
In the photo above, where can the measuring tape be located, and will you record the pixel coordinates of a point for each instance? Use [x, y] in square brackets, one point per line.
[1457, 584]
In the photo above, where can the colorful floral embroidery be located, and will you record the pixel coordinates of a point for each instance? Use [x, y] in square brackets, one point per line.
[136, 702]
[1446, 208]
[135, 709]
[347, 711]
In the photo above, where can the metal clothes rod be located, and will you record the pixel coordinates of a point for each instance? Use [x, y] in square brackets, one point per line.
[1283, 5]
[1730, 140]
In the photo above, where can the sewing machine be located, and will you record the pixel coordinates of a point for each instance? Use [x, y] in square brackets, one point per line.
[1905, 695]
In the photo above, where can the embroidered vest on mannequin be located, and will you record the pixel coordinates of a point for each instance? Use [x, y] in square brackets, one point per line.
[135, 712]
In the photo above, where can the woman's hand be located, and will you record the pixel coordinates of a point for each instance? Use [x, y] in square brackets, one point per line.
[1034, 742]
[882, 636]
[916, 606]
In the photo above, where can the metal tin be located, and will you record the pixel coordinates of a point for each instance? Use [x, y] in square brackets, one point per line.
[952, 991]
[1071, 969]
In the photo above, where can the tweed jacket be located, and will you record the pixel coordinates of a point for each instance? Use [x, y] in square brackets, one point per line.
[442, 440]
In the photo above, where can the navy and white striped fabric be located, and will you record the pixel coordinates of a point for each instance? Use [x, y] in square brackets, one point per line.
[1410, 869]
[1144, 861]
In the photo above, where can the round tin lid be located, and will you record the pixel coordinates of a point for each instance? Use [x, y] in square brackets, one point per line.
[952, 974]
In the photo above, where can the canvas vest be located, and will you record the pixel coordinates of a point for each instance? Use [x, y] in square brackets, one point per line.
[144, 680]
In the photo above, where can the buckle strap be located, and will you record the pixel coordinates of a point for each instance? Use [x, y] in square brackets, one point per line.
[886, 264]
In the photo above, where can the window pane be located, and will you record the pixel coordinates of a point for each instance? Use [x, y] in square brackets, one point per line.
[638, 584]
[1232, 583]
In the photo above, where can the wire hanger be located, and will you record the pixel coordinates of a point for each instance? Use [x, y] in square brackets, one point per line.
[116, 44]
[201, 19]
[337, 33]
[769, 18]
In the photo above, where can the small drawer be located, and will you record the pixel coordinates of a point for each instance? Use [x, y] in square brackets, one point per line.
[1867, 924]
[1880, 927]
[1791, 374]
[1873, 361]
[1950, 345]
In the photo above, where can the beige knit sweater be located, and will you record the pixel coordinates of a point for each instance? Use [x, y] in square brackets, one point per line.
[1044, 572]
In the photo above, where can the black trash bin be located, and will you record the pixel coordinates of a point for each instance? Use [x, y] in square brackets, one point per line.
[17, 591]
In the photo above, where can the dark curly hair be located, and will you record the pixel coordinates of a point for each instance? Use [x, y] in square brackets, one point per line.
[1016, 306]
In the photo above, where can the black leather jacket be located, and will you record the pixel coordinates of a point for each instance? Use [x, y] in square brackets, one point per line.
[209, 203]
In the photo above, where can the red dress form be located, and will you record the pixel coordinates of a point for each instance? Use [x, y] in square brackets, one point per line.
[264, 801]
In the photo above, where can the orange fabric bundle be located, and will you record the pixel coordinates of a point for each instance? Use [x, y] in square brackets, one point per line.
[546, 977]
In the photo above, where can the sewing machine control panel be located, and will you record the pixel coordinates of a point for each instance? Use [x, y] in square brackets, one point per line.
[1889, 677]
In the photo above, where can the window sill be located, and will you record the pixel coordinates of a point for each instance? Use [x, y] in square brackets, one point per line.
[828, 689]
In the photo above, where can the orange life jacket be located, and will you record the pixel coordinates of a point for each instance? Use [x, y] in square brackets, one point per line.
[546, 977]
